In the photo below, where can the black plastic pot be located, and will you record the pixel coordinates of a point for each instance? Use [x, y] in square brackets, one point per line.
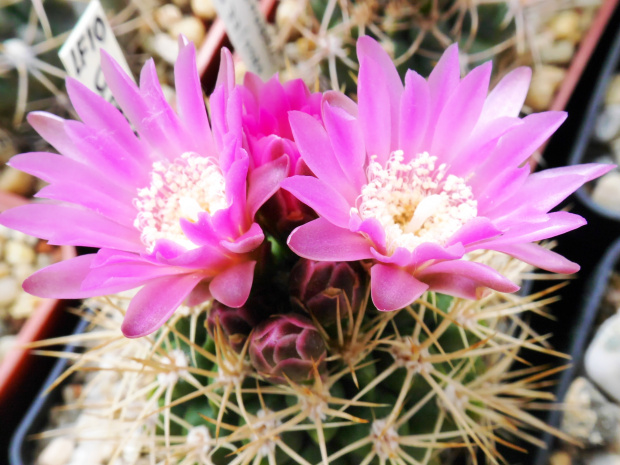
[20, 448]
[580, 153]
[580, 335]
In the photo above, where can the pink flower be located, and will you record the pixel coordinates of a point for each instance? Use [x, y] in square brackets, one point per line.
[171, 209]
[415, 177]
[269, 136]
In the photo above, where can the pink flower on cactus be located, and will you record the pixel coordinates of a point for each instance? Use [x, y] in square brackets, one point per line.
[269, 136]
[415, 177]
[172, 209]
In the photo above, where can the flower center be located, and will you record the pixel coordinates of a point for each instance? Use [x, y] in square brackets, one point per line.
[415, 202]
[182, 189]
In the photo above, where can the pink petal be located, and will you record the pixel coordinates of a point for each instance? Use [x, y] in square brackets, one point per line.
[321, 197]
[153, 305]
[393, 288]
[373, 229]
[369, 53]
[347, 140]
[321, 240]
[99, 114]
[162, 117]
[130, 100]
[103, 152]
[190, 101]
[63, 280]
[71, 225]
[247, 242]
[52, 129]
[415, 106]
[442, 82]
[551, 225]
[507, 98]
[537, 197]
[475, 230]
[400, 257]
[441, 276]
[77, 183]
[232, 286]
[538, 256]
[461, 113]
[374, 112]
[264, 181]
[236, 184]
[518, 144]
[316, 150]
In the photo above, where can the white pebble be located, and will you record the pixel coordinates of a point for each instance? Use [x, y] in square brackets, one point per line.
[602, 359]
[204, 9]
[604, 458]
[6, 344]
[18, 253]
[168, 14]
[606, 192]
[165, 46]
[191, 27]
[57, 452]
[560, 52]
[612, 97]
[9, 289]
[607, 126]
[24, 306]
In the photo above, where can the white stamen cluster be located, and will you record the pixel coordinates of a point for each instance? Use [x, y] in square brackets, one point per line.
[415, 202]
[263, 428]
[182, 189]
[385, 439]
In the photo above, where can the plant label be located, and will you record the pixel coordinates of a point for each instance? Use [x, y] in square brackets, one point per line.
[81, 53]
[247, 30]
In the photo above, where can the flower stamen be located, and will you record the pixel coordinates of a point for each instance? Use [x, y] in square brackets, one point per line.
[416, 201]
[182, 189]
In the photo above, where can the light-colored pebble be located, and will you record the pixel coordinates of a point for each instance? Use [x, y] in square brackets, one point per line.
[9, 289]
[17, 253]
[560, 52]
[204, 9]
[612, 96]
[168, 14]
[15, 181]
[606, 193]
[57, 452]
[5, 270]
[607, 126]
[165, 46]
[24, 306]
[545, 81]
[6, 344]
[604, 458]
[191, 27]
[565, 24]
[560, 458]
[602, 358]
[588, 416]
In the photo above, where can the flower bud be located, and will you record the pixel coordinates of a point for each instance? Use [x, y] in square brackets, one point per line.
[287, 345]
[236, 323]
[323, 288]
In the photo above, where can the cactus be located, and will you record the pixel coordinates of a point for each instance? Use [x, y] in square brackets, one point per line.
[413, 386]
